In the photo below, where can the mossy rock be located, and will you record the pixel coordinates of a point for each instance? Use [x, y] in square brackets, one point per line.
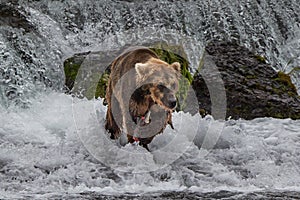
[286, 82]
[71, 68]
[260, 59]
[253, 88]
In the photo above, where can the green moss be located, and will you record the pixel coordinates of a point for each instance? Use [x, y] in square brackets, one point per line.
[285, 80]
[291, 94]
[278, 115]
[98, 90]
[102, 85]
[236, 110]
[251, 77]
[272, 111]
[260, 58]
[258, 86]
[71, 68]
[202, 112]
[276, 90]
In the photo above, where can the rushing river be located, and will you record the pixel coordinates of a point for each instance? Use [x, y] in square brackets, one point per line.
[43, 149]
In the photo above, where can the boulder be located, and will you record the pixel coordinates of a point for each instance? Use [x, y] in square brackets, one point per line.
[10, 16]
[253, 88]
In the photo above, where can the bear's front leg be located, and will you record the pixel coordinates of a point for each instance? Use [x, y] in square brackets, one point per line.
[111, 125]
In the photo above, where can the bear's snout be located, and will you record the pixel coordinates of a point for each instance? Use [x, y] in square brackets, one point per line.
[171, 101]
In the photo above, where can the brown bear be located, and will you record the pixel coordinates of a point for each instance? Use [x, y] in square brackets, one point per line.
[141, 95]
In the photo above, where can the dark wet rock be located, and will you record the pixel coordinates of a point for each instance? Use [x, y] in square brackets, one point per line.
[253, 88]
[184, 195]
[10, 16]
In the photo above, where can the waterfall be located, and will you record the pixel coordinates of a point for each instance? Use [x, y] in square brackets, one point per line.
[36, 36]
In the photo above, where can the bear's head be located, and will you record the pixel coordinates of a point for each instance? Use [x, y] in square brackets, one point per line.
[161, 80]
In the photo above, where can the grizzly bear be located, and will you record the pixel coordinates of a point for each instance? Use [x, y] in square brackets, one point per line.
[141, 95]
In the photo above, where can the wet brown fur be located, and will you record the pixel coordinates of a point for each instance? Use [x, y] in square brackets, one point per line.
[145, 96]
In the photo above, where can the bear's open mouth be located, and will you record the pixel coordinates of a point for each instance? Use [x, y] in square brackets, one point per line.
[147, 117]
[144, 120]
[156, 113]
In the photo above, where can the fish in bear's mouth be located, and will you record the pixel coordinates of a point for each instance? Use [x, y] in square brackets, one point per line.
[146, 118]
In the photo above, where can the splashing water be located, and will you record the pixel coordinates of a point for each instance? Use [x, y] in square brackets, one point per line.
[41, 153]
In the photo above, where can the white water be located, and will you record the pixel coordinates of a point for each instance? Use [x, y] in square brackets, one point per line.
[41, 153]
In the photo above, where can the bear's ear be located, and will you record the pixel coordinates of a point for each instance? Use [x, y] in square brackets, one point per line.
[141, 69]
[176, 66]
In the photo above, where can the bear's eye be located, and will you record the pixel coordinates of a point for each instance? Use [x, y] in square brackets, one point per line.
[160, 86]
